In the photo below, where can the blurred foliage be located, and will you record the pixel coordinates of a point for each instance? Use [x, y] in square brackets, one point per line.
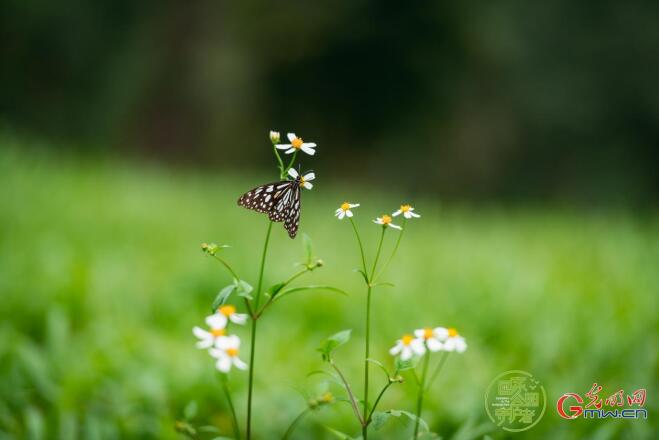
[483, 99]
[102, 279]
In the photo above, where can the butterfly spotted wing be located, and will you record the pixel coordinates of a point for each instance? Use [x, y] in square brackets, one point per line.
[280, 200]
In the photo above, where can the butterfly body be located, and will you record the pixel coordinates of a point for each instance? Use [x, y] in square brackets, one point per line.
[280, 200]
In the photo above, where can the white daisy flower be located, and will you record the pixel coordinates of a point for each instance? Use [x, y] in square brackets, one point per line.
[408, 346]
[407, 211]
[207, 338]
[228, 313]
[226, 352]
[433, 341]
[297, 143]
[385, 221]
[453, 341]
[304, 180]
[274, 137]
[345, 210]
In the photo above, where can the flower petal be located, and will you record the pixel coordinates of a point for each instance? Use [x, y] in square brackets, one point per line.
[406, 354]
[441, 333]
[291, 137]
[293, 173]
[349, 213]
[309, 176]
[308, 185]
[289, 151]
[310, 151]
[238, 318]
[201, 333]
[239, 363]
[394, 226]
[397, 213]
[341, 214]
[434, 344]
[417, 346]
[354, 205]
[224, 364]
[396, 348]
[216, 321]
[283, 146]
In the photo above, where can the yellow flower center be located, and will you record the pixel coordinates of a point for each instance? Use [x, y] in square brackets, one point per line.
[297, 143]
[427, 333]
[407, 339]
[386, 219]
[345, 206]
[227, 310]
[302, 180]
[327, 397]
[452, 332]
[405, 208]
[232, 352]
[217, 332]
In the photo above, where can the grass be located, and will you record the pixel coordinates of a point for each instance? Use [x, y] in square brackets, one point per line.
[102, 279]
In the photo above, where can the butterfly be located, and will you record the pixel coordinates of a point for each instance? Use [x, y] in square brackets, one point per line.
[280, 200]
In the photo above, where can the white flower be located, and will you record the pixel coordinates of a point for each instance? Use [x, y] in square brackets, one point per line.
[433, 341]
[407, 211]
[226, 352]
[274, 137]
[345, 210]
[303, 180]
[228, 313]
[297, 143]
[452, 340]
[408, 346]
[207, 339]
[385, 220]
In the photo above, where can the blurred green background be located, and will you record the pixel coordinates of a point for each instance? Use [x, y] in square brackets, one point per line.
[526, 135]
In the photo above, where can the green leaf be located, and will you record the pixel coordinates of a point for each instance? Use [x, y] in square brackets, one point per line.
[301, 289]
[338, 434]
[386, 283]
[209, 429]
[190, 410]
[402, 365]
[379, 419]
[274, 289]
[379, 364]
[243, 288]
[223, 296]
[409, 415]
[333, 342]
[363, 275]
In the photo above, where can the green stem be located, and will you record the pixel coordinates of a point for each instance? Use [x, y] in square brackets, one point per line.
[290, 164]
[294, 424]
[393, 253]
[252, 348]
[281, 163]
[438, 368]
[351, 395]
[419, 402]
[286, 283]
[234, 418]
[226, 265]
[377, 254]
[366, 356]
[361, 247]
[377, 400]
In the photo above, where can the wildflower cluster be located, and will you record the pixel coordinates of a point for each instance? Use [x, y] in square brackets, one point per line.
[222, 346]
[430, 339]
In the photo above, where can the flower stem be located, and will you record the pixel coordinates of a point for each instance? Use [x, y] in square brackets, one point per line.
[361, 247]
[281, 164]
[234, 418]
[366, 356]
[393, 253]
[377, 400]
[438, 368]
[294, 423]
[252, 348]
[377, 254]
[351, 395]
[419, 401]
[226, 265]
[290, 164]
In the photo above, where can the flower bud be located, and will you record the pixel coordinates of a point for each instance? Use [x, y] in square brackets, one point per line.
[275, 137]
[210, 249]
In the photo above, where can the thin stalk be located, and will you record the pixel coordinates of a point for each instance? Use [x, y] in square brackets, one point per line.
[290, 164]
[226, 265]
[393, 253]
[419, 402]
[351, 395]
[377, 400]
[295, 422]
[438, 368]
[286, 283]
[377, 254]
[361, 247]
[281, 164]
[252, 348]
[234, 418]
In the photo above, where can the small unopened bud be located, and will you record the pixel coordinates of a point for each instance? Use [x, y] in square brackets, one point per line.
[210, 249]
[275, 137]
[327, 398]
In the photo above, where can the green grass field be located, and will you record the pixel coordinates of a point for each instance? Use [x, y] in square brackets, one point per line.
[102, 279]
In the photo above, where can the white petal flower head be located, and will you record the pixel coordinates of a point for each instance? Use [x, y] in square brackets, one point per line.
[226, 352]
[385, 221]
[274, 137]
[304, 180]
[228, 312]
[407, 347]
[431, 340]
[407, 211]
[454, 342]
[207, 338]
[345, 210]
[296, 144]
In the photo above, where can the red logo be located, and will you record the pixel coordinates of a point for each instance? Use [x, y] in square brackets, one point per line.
[591, 406]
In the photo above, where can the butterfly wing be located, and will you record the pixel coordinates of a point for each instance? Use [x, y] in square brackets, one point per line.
[280, 200]
[264, 198]
[292, 219]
